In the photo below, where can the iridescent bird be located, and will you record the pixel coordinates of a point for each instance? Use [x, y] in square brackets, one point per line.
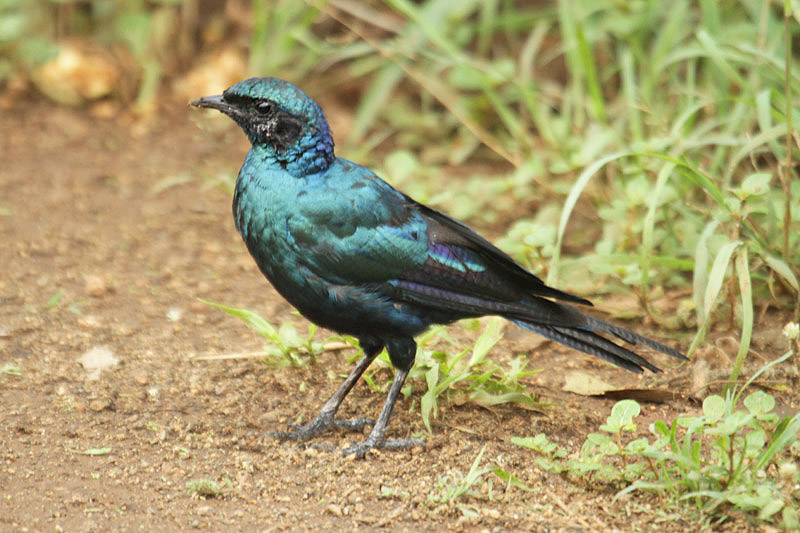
[357, 256]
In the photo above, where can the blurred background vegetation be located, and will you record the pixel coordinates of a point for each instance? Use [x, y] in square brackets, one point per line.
[651, 143]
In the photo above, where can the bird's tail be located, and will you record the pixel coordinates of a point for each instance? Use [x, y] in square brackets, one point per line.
[586, 339]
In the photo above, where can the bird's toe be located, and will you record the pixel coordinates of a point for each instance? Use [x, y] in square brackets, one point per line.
[361, 450]
[321, 423]
[357, 424]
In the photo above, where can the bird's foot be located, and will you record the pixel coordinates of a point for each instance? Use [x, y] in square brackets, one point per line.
[360, 450]
[321, 423]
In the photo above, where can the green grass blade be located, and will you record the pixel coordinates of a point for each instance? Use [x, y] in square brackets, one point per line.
[252, 319]
[785, 439]
[745, 288]
[717, 276]
[587, 64]
[784, 271]
[649, 222]
[700, 278]
[572, 199]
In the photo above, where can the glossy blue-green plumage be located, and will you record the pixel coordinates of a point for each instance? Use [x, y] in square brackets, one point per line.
[330, 241]
[355, 255]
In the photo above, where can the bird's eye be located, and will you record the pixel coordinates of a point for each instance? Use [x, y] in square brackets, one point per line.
[264, 108]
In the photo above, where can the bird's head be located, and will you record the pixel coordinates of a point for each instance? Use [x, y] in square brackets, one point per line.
[280, 119]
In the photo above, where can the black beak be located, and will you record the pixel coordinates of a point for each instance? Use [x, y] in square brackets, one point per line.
[215, 102]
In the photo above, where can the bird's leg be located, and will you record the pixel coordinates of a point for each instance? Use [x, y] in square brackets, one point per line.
[377, 438]
[325, 419]
[402, 352]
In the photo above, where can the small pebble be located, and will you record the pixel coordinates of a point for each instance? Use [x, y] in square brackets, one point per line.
[198, 307]
[334, 509]
[95, 285]
[89, 322]
[97, 405]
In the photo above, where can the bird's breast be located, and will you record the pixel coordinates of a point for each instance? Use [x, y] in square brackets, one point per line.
[260, 214]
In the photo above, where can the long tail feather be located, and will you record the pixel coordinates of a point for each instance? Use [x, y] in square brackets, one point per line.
[627, 335]
[590, 342]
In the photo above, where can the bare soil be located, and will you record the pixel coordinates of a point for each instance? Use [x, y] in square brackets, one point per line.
[110, 230]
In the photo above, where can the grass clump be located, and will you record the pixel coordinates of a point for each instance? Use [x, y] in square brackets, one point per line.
[452, 378]
[285, 345]
[208, 488]
[480, 381]
[729, 458]
[11, 369]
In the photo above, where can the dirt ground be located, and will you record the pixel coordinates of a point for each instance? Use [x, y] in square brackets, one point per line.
[110, 231]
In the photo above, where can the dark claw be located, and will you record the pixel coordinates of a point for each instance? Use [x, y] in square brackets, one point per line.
[321, 423]
[357, 424]
[360, 450]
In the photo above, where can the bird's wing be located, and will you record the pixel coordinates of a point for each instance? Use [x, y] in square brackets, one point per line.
[464, 273]
[450, 241]
[355, 229]
[368, 232]
[374, 235]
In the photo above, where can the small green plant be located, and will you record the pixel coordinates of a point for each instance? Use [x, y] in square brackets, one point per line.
[454, 486]
[451, 376]
[487, 383]
[183, 452]
[483, 382]
[745, 459]
[55, 300]
[593, 462]
[207, 488]
[95, 451]
[551, 456]
[286, 345]
[11, 369]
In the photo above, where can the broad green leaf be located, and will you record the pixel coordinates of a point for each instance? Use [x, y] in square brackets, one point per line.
[714, 406]
[772, 507]
[599, 443]
[637, 446]
[622, 415]
[756, 184]
[538, 443]
[730, 424]
[759, 402]
[783, 270]
[791, 520]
